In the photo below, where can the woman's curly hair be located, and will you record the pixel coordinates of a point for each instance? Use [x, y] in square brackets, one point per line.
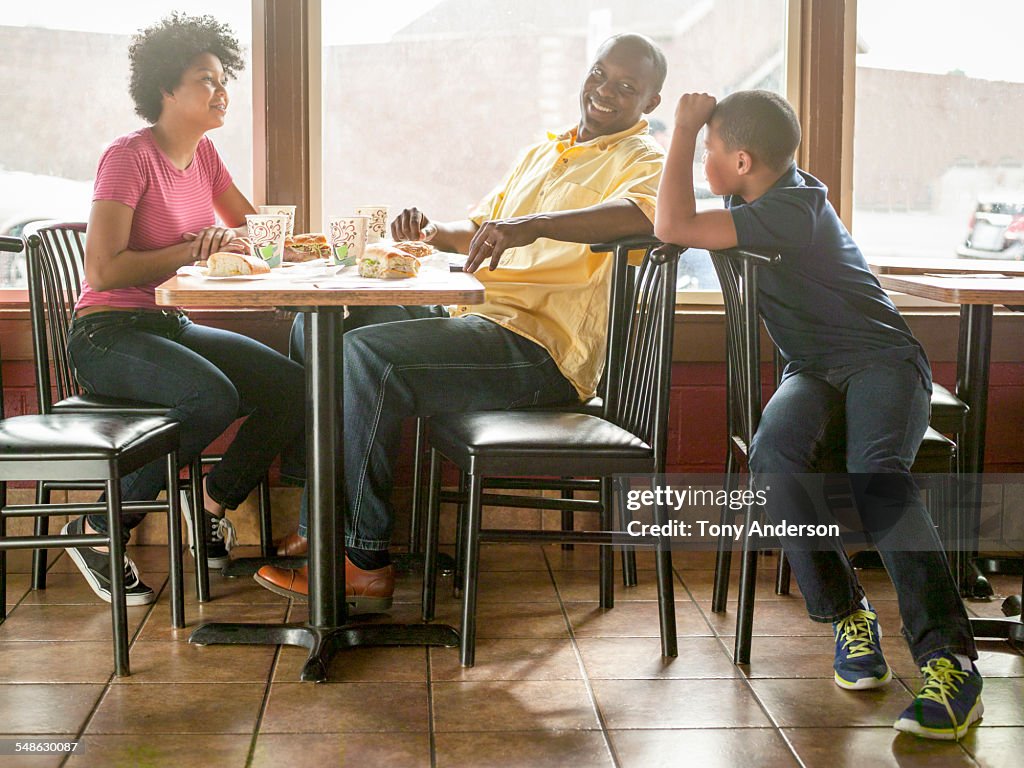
[160, 54]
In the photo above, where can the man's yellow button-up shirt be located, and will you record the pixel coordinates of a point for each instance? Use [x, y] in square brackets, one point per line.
[556, 293]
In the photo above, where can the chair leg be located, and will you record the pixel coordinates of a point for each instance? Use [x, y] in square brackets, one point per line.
[471, 575]
[174, 544]
[748, 583]
[416, 512]
[666, 587]
[199, 531]
[628, 553]
[460, 527]
[118, 608]
[3, 554]
[430, 554]
[723, 558]
[606, 555]
[568, 520]
[266, 526]
[42, 528]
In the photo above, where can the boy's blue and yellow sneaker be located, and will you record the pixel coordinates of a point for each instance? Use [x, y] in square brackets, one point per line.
[859, 662]
[948, 702]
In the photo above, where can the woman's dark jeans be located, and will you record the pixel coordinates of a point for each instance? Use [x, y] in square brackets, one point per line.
[206, 378]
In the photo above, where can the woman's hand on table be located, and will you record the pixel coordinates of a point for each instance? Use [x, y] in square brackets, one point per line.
[212, 240]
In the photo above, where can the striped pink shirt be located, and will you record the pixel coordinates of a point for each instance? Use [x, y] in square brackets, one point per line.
[167, 202]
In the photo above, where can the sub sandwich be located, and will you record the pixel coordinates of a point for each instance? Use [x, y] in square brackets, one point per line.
[307, 247]
[388, 262]
[225, 264]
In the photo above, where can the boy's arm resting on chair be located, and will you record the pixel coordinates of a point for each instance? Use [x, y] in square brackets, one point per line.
[676, 218]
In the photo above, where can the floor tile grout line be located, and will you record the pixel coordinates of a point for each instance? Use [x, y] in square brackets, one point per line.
[251, 754]
[588, 684]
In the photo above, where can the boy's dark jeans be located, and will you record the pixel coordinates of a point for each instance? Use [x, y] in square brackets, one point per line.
[207, 378]
[886, 413]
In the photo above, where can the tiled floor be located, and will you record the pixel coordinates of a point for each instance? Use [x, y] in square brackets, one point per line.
[558, 681]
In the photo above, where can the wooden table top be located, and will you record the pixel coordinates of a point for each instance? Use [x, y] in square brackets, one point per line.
[897, 265]
[958, 289]
[295, 287]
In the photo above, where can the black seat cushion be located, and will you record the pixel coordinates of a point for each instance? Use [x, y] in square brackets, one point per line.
[84, 435]
[85, 403]
[542, 442]
[594, 406]
[935, 454]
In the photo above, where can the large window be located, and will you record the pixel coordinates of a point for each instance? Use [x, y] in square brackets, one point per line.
[64, 96]
[428, 102]
[938, 157]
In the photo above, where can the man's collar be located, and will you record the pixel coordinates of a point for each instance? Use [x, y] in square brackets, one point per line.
[601, 142]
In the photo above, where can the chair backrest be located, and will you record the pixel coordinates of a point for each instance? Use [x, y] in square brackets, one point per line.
[7, 245]
[737, 273]
[56, 266]
[641, 324]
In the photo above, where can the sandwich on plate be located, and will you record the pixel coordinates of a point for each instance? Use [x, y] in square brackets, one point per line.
[225, 264]
[307, 247]
[388, 262]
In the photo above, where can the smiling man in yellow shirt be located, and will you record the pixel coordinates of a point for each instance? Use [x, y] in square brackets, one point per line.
[540, 335]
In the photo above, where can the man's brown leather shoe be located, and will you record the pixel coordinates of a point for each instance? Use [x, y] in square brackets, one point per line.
[292, 545]
[366, 591]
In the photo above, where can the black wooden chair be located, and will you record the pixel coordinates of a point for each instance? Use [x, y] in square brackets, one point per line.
[737, 271]
[55, 255]
[628, 438]
[101, 448]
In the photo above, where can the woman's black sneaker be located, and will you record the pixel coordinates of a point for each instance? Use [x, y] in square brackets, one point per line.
[95, 566]
[220, 538]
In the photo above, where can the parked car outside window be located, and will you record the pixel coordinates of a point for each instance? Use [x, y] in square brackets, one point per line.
[996, 228]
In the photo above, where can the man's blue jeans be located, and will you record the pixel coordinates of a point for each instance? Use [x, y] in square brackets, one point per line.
[394, 369]
[883, 409]
[207, 378]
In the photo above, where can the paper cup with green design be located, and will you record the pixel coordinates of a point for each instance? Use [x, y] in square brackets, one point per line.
[347, 236]
[378, 226]
[267, 233]
[281, 210]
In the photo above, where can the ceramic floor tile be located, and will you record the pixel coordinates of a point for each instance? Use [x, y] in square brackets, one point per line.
[661, 704]
[56, 662]
[821, 703]
[67, 622]
[509, 660]
[162, 751]
[511, 620]
[241, 590]
[61, 708]
[72, 589]
[513, 706]
[581, 586]
[17, 586]
[707, 748]
[522, 749]
[498, 587]
[700, 584]
[510, 557]
[634, 619]
[587, 558]
[395, 750]
[178, 662]
[359, 665]
[995, 747]
[178, 708]
[635, 658]
[34, 760]
[882, 746]
[158, 625]
[1004, 702]
[784, 618]
[346, 707]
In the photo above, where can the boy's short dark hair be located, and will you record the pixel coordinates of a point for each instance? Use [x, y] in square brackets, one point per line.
[160, 54]
[760, 122]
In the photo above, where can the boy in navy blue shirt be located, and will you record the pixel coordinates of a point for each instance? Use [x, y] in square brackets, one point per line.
[852, 364]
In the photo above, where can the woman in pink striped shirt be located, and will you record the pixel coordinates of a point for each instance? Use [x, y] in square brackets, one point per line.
[158, 196]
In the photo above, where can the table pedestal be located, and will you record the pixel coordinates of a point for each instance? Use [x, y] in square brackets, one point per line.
[327, 630]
